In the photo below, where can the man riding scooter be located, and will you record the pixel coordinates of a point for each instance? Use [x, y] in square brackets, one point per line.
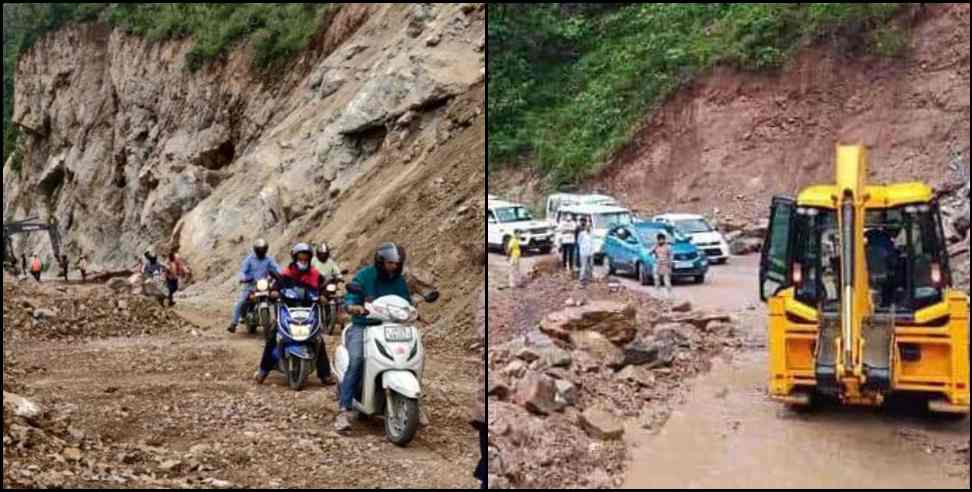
[383, 278]
[257, 266]
[301, 276]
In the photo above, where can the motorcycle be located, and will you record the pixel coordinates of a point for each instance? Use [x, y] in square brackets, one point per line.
[259, 309]
[394, 363]
[332, 304]
[298, 336]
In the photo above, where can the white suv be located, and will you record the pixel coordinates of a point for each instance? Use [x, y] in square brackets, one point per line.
[504, 219]
[702, 235]
[601, 217]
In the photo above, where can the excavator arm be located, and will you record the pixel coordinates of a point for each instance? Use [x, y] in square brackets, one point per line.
[26, 227]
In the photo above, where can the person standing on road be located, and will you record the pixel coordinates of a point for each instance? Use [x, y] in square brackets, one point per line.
[83, 268]
[567, 237]
[175, 272]
[585, 245]
[663, 265]
[479, 412]
[36, 267]
[64, 267]
[513, 252]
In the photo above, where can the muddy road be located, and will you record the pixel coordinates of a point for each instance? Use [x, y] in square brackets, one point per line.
[727, 434]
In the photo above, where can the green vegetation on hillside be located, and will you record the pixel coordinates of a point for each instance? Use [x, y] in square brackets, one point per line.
[569, 83]
[277, 31]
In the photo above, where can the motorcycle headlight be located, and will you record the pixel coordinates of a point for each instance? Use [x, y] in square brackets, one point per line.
[332, 288]
[263, 284]
[300, 332]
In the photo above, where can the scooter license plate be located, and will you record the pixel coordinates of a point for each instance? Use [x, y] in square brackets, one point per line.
[398, 334]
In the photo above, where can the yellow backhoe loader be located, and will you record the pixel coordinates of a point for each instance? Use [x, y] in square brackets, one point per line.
[860, 295]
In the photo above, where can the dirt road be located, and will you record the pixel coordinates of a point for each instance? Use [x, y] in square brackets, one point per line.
[731, 287]
[728, 435]
[177, 409]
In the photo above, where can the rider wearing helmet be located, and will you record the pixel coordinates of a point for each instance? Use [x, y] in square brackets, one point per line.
[258, 265]
[303, 276]
[383, 278]
[325, 264]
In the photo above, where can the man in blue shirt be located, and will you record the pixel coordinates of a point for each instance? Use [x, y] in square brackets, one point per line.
[384, 278]
[257, 266]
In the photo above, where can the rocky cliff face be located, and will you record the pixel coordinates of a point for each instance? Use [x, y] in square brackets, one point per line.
[127, 149]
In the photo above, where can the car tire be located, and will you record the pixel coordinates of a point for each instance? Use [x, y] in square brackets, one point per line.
[546, 250]
[610, 266]
[506, 245]
[700, 280]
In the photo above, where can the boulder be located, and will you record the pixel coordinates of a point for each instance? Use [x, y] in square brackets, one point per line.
[746, 246]
[555, 357]
[566, 392]
[514, 370]
[498, 390]
[601, 425]
[616, 321]
[682, 307]
[637, 375]
[538, 394]
[21, 407]
[527, 355]
[600, 348]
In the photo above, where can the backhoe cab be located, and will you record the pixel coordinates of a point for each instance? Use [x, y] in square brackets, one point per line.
[859, 288]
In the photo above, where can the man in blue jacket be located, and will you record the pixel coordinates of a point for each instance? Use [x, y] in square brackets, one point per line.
[257, 266]
[384, 278]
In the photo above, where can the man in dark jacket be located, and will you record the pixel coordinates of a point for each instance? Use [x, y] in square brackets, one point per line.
[384, 278]
[300, 276]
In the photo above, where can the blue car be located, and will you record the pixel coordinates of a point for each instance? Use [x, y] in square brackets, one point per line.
[628, 249]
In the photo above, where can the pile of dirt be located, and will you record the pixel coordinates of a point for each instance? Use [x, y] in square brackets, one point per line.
[51, 312]
[558, 406]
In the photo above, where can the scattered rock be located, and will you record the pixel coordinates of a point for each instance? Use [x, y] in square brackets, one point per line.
[600, 348]
[21, 407]
[616, 321]
[537, 393]
[601, 425]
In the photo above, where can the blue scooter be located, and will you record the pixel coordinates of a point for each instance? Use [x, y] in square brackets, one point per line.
[298, 336]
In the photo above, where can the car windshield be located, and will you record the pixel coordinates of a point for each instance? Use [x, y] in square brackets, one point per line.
[650, 234]
[513, 214]
[604, 221]
[693, 226]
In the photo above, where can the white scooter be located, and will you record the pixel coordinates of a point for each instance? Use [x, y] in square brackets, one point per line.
[394, 363]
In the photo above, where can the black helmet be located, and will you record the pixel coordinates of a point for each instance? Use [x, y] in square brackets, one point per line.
[323, 252]
[150, 255]
[261, 248]
[390, 252]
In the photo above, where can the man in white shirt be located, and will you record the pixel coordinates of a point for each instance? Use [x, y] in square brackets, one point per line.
[585, 245]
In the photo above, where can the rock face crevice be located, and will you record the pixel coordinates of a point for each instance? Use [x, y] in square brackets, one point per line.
[128, 149]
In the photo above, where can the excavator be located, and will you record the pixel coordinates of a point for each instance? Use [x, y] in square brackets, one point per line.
[26, 227]
[860, 298]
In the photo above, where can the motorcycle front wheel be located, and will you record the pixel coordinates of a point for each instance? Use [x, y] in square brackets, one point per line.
[401, 429]
[297, 372]
[331, 313]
